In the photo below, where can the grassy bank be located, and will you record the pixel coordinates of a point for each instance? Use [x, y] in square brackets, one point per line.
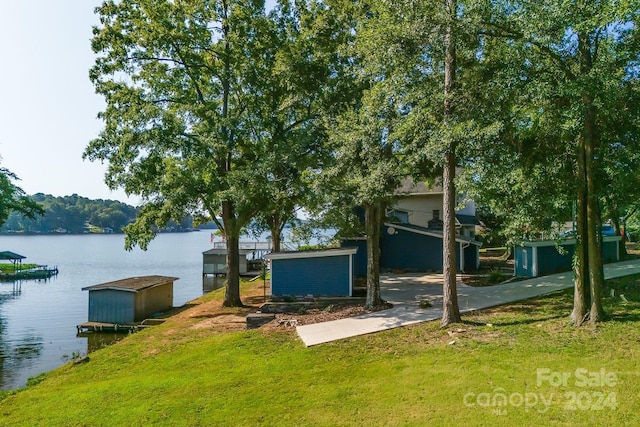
[190, 372]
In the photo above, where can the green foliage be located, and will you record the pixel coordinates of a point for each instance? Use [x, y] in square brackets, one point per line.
[14, 200]
[496, 276]
[72, 214]
[9, 268]
[32, 381]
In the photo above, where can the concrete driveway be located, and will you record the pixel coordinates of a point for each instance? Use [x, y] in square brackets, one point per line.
[406, 292]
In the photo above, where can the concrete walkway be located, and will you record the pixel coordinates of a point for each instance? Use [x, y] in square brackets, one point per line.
[406, 292]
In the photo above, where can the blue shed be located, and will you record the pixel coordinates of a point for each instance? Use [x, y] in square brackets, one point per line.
[130, 300]
[539, 258]
[319, 273]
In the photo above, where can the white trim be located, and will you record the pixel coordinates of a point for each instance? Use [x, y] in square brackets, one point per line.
[461, 261]
[312, 254]
[534, 261]
[431, 234]
[562, 242]
[350, 276]
[271, 279]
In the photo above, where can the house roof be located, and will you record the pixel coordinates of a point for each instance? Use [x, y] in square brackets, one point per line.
[312, 254]
[430, 232]
[11, 255]
[132, 284]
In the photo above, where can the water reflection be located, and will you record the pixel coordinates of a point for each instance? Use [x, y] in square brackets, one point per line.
[16, 355]
[211, 283]
[97, 341]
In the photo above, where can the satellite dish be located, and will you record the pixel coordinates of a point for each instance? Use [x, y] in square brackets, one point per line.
[391, 231]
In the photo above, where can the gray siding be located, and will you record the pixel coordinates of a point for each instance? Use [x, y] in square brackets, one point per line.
[111, 306]
[318, 276]
[116, 306]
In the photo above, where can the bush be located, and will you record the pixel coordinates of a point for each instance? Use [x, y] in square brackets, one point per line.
[496, 276]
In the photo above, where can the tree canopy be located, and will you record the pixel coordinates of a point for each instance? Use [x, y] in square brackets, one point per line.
[14, 200]
[72, 214]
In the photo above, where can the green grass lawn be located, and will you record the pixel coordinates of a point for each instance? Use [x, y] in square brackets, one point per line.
[10, 268]
[548, 372]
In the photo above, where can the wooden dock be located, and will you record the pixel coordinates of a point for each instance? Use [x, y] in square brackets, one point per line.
[116, 327]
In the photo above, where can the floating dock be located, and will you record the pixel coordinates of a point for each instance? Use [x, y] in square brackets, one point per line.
[117, 327]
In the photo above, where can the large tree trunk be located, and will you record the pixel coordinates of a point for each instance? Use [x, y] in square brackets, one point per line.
[232, 235]
[275, 227]
[373, 214]
[581, 264]
[590, 137]
[450, 310]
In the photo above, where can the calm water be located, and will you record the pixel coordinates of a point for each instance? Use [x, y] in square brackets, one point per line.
[38, 318]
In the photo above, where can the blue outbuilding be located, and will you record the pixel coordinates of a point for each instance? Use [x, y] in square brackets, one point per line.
[539, 258]
[318, 273]
[409, 247]
[131, 300]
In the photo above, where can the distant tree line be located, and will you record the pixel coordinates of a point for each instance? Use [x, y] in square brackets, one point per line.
[72, 214]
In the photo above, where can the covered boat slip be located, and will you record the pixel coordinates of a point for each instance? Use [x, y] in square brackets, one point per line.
[37, 272]
[15, 259]
[128, 303]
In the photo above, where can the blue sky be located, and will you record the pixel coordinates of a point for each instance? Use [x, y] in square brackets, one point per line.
[48, 106]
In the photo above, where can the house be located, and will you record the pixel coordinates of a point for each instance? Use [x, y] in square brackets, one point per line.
[131, 300]
[421, 205]
[411, 238]
[318, 273]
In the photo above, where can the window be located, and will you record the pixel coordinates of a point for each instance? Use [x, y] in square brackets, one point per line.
[399, 216]
[436, 214]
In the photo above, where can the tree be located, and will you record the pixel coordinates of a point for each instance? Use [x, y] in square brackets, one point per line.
[294, 75]
[14, 199]
[366, 170]
[365, 167]
[434, 60]
[574, 58]
[179, 80]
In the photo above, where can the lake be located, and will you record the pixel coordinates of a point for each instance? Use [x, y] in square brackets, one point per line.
[38, 318]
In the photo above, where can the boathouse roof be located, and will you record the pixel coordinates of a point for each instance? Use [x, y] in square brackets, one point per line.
[133, 284]
[11, 255]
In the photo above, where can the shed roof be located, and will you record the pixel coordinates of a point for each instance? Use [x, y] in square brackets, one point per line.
[11, 255]
[132, 284]
[312, 254]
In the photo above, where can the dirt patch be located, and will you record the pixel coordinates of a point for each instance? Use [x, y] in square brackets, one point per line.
[318, 315]
[211, 316]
